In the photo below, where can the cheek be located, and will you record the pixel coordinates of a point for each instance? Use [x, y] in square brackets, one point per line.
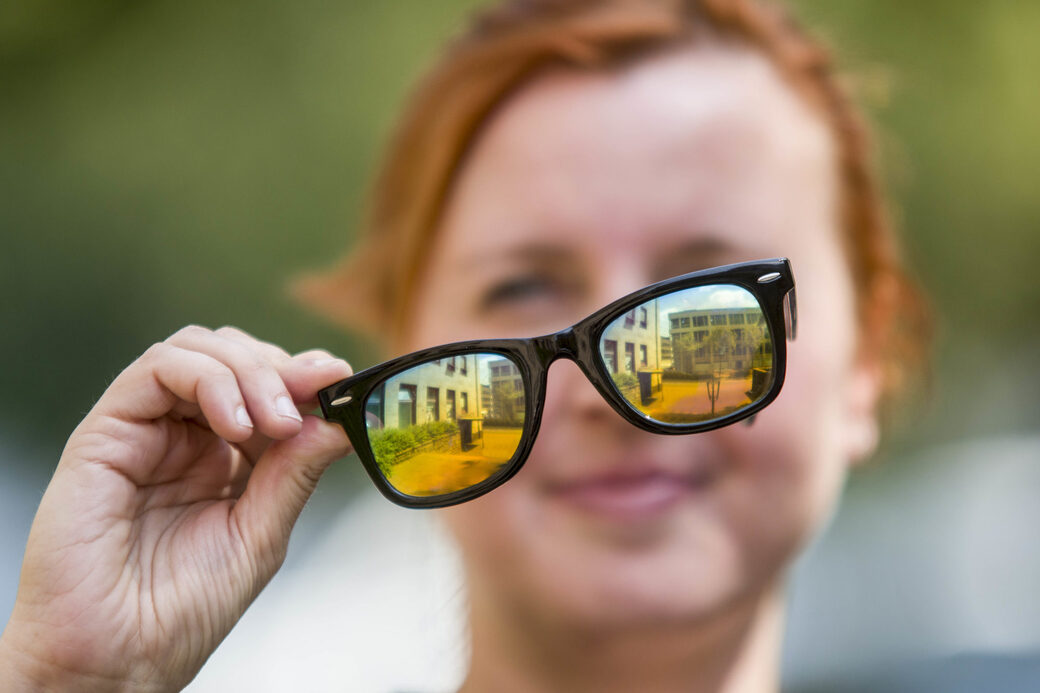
[799, 439]
[494, 534]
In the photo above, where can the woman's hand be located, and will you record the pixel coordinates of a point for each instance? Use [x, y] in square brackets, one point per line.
[169, 511]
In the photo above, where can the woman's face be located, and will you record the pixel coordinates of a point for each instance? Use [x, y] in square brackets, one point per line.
[584, 187]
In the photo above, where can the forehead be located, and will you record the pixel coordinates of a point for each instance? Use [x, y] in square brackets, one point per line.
[707, 141]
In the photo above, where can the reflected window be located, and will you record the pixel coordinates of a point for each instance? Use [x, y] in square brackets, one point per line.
[406, 405]
[433, 404]
[610, 355]
[374, 407]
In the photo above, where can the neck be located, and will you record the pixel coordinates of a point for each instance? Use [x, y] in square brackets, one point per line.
[733, 652]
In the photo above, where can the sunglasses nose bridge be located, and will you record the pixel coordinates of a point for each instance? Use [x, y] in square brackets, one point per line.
[562, 344]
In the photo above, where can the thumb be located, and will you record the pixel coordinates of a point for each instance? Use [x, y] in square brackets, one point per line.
[281, 482]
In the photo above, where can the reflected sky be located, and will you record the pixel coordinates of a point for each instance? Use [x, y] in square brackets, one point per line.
[713, 297]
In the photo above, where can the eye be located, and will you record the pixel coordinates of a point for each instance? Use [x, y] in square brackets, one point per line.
[519, 290]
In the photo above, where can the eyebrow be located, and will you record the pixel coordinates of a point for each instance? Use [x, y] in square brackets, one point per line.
[689, 256]
[698, 254]
[534, 252]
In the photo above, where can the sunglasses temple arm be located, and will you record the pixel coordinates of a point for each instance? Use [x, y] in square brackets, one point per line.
[790, 314]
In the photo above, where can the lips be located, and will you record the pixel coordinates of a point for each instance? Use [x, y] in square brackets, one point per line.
[632, 494]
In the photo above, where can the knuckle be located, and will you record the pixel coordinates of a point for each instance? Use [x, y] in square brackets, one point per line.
[156, 351]
[217, 371]
[256, 365]
[229, 330]
[187, 331]
[281, 352]
[273, 351]
[245, 359]
[236, 333]
[155, 348]
[243, 338]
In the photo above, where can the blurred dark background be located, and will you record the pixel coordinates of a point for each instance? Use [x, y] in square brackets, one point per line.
[165, 163]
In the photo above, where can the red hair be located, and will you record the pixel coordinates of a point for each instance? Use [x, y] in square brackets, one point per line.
[508, 44]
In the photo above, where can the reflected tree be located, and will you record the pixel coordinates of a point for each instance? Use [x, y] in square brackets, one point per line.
[752, 339]
[720, 343]
[507, 403]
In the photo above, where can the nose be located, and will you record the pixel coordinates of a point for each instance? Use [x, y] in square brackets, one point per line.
[568, 390]
[570, 396]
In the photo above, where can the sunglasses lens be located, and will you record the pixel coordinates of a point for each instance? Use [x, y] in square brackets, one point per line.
[446, 425]
[692, 356]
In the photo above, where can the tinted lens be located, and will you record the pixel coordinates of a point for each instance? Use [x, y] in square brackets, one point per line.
[691, 356]
[448, 424]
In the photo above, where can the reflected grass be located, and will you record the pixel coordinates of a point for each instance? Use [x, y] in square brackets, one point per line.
[436, 472]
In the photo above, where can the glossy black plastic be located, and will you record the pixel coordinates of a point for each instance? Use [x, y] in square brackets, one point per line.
[770, 281]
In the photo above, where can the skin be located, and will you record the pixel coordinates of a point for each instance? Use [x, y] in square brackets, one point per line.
[586, 187]
[166, 515]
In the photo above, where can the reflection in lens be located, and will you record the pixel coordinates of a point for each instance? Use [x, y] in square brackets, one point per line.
[448, 424]
[692, 356]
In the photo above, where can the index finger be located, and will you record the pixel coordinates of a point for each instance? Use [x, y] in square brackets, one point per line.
[163, 375]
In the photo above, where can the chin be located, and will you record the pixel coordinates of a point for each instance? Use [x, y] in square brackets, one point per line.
[596, 565]
[696, 596]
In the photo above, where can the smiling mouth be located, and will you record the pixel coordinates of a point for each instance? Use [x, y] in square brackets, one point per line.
[633, 495]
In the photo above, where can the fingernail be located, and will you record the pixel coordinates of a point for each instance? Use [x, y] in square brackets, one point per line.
[284, 406]
[242, 417]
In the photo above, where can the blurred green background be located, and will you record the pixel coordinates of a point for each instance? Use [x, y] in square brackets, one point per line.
[165, 163]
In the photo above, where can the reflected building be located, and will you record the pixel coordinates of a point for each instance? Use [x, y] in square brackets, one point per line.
[484, 409]
[666, 352]
[632, 344]
[506, 390]
[631, 350]
[441, 390]
[428, 427]
[731, 339]
[684, 358]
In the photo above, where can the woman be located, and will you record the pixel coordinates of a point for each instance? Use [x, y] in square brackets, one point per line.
[562, 154]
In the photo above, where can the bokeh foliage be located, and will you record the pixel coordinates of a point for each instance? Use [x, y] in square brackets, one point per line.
[166, 163]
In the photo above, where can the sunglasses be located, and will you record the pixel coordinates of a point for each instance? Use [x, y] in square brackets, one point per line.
[689, 354]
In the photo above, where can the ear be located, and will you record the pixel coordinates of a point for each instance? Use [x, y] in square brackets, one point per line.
[861, 431]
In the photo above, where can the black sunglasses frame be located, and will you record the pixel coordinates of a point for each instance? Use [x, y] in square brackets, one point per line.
[771, 282]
